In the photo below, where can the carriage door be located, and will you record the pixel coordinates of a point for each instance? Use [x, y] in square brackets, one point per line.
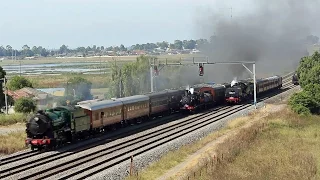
[125, 112]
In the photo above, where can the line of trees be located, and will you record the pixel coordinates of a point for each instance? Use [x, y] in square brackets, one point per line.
[28, 51]
[307, 101]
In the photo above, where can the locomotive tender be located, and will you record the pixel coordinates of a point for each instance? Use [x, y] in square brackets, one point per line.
[242, 91]
[61, 125]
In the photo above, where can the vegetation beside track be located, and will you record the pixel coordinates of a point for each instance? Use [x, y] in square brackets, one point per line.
[281, 145]
[12, 142]
[9, 119]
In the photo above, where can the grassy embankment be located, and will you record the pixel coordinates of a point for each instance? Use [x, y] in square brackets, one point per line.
[13, 141]
[281, 145]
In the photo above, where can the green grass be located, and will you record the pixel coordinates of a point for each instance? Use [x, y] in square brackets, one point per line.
[10, 119]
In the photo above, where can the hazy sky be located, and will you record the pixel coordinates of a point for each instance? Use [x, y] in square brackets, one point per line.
[51, 23]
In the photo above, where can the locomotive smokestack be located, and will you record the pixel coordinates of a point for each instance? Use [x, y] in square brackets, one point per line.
[234, 81]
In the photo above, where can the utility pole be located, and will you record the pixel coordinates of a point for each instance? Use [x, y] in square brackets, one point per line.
[20, 68]
[5, 94]
[254, 85]
[151, 75]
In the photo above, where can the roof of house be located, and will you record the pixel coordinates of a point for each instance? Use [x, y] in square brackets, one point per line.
[29, 92]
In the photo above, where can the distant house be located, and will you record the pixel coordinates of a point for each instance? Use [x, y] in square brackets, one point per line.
[43, 99]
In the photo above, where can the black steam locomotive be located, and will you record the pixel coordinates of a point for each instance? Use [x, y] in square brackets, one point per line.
[242, 91]
[295, 79]
[202, 96]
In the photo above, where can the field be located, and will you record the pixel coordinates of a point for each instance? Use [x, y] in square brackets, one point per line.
[54, 72]
[54, 81]
[264, 145]
[93, 59]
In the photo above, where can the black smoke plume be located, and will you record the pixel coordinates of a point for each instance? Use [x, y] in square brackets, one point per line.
[274, 35]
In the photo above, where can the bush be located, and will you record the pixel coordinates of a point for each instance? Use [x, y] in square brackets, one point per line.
[308, 101]
[25, 105]
[303, 99]
[18, 82]
[12, 119]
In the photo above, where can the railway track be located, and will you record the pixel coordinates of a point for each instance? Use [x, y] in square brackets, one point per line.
[85, 162]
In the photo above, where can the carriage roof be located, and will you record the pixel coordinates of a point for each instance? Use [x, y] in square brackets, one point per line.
[133, 99]
[100, 104]
[160, 93]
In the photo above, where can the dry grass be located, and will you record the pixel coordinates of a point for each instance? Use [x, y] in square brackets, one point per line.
[12, 142]
[174, 158]
[9, 119]
[287, 148]
[281, 145]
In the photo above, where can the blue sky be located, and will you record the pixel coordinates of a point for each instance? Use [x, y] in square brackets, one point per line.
[51, 23]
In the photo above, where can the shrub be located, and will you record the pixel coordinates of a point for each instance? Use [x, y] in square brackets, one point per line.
[25, 105]
[18, 82]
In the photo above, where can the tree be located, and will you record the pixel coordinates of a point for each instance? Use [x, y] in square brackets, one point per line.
[308, 101]
[24, 105]
[122, 48]
[178, 44]
[9, 49]
[163, 45]
[18, 82]
[309, 70]
[189, 44]
[79, 88]
[63, 49]
[2, 75]
[303, 99]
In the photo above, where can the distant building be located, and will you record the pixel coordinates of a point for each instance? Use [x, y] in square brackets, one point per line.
[43, 99]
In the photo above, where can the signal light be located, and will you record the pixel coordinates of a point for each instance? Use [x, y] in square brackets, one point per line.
[201, 70]
[156, 72]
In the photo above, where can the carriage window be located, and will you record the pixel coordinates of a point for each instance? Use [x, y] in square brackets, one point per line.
[102, 114]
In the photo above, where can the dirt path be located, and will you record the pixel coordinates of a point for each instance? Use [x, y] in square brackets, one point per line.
[179, 171]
